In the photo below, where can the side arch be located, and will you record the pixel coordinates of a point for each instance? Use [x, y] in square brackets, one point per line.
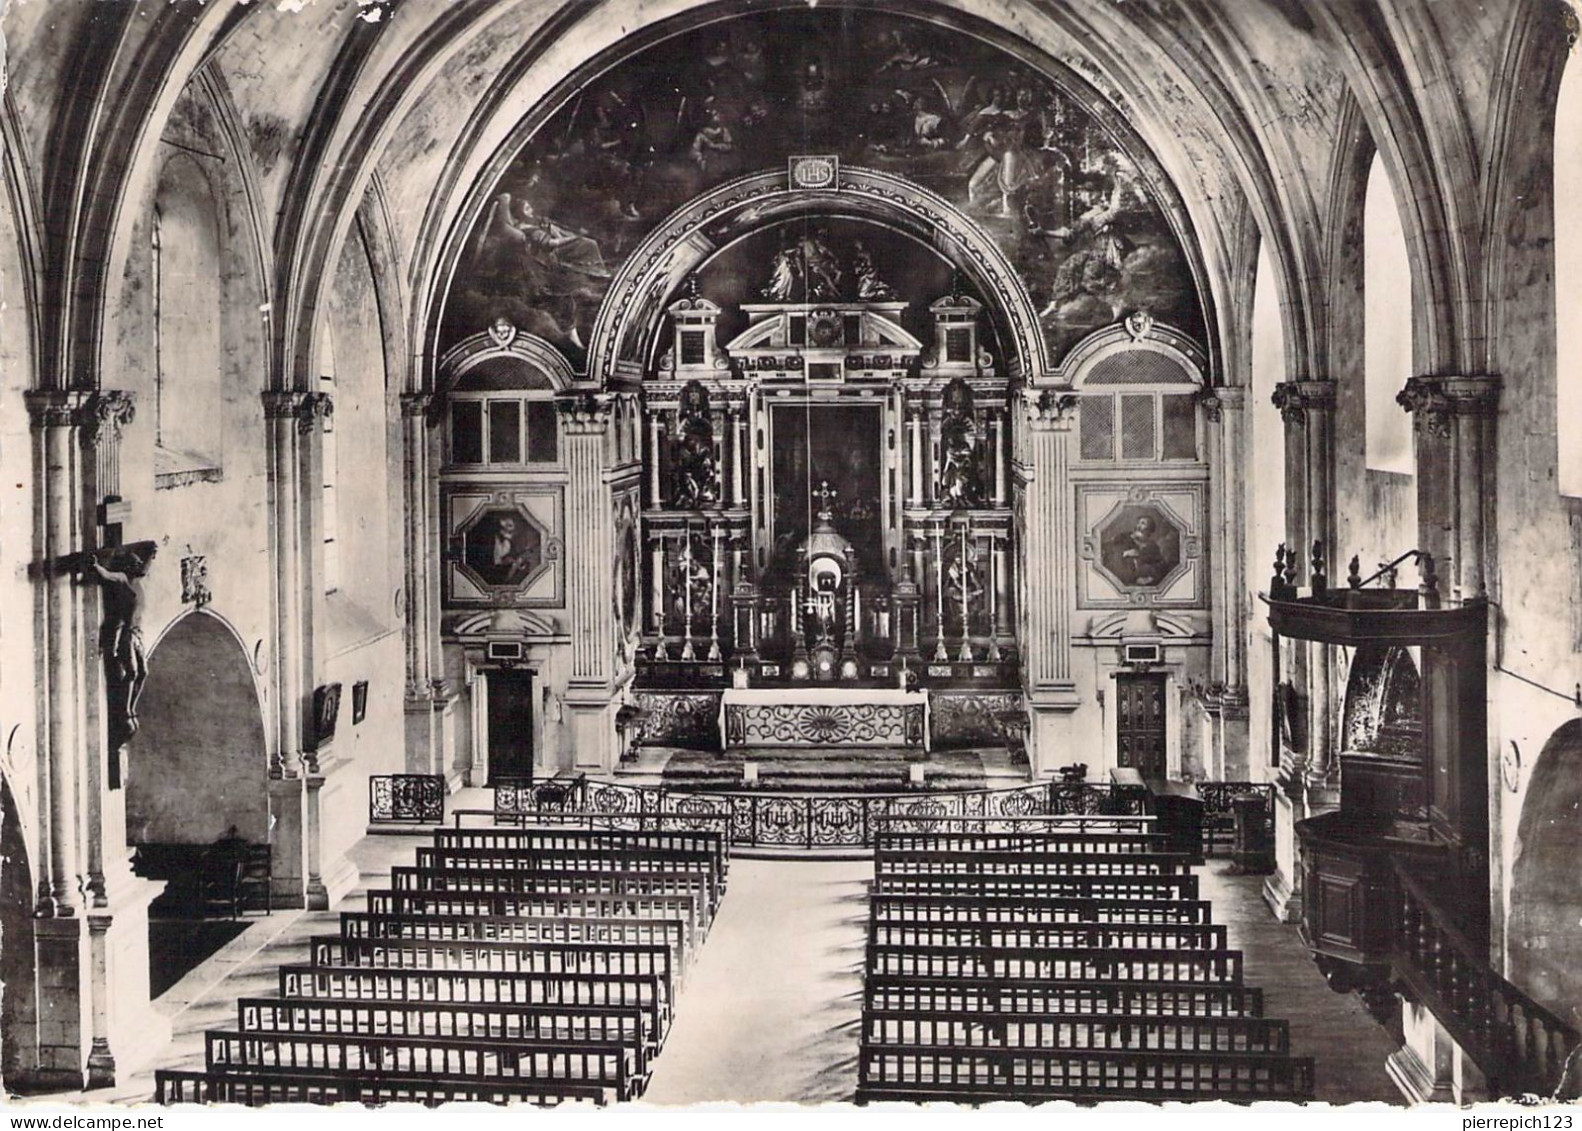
[199, 764]
[1544, 941]
[19, 1014]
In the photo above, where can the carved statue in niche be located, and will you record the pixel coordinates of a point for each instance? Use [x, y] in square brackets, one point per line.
[870, 288]
[120, 571]
[960, 478]
[695, 476]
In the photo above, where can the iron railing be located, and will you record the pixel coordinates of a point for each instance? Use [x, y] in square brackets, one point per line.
[805, 821]
[1520, 1047]
[406, 799]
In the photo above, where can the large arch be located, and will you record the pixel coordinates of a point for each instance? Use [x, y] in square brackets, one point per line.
[658, 266]
[1544, 947]
[200, 759]
[19, 1013]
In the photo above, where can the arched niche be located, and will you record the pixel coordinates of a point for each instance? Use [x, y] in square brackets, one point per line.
[198, 765]
[18, 966]
[1544, 939]
[1384, 708]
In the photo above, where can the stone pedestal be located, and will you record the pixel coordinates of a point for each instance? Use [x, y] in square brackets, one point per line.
[288, 865]
[1282, 891]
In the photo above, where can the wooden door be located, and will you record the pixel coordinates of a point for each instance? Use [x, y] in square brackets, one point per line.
[510, 725]
[1140, 723]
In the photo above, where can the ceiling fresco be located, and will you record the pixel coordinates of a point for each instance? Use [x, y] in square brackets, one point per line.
[953, 114]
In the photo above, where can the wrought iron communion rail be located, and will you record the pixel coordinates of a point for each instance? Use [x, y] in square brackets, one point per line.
[406, 799]
[804, 821]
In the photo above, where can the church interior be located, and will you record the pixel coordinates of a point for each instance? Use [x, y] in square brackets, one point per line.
[1073, 509]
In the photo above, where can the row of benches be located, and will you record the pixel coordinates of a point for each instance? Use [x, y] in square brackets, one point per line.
[523, 964]
[1044, 965]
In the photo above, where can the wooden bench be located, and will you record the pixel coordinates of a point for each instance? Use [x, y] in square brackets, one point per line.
[633, 881]
[1087, 964]
[1178, 886]
[1127, 1032]
[253, 1089]
[671, 933]
[894, 843]
[1016, 909]
[572, 905]
[606, 1066]
[480, 987]
[599, 1024]
[573, 860]
[1127, 936]
[505, 957]
[920, 1074]
[997, 995]
[712, 843]
[1028, 863]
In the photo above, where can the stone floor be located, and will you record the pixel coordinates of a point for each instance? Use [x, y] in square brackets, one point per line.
[771, 1010]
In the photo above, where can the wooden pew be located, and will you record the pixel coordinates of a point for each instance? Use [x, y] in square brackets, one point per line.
[480, 987]
[1039, 997]
[920, 1073]
[599, 1024]
[1029, 863]
[1125, 1032]
[1086, 964]
[1177, 886]
[625, 881]
[1016, 909]
[893, 843]
[597, 905]
[255, 1089]
[712, 843]
[1125, 936]
[506, 957]
[573, 860]
[671, 933]
[605, 1066]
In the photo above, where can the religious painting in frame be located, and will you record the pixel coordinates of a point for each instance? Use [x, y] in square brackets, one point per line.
[1140, 545]
[504, 547]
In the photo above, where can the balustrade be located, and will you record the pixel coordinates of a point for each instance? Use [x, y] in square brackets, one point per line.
[1520, 1047]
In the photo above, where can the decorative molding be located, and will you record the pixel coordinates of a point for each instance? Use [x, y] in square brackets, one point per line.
[55, 408]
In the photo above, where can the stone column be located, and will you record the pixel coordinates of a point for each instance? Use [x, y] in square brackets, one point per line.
[915, 452]
[1001, 464]
[936, 425]
[1454, 426]
[738, 425]
[1048, 560]
[424, 704]
[1223, 411]
[656, 428]
[590, 544]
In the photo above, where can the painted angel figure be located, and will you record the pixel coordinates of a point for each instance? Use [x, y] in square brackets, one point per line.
[787, 275]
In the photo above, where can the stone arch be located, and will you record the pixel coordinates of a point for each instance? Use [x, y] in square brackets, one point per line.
[1544, 943]
[199, 764]
[654, 272]
[18, 962]
[503, 347]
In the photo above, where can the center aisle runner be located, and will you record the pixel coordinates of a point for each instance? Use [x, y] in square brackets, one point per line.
[771, 1010]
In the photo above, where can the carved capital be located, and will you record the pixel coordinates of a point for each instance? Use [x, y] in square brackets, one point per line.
[1049, 409]
[415, 405]
[105, 413]
[585, 413]
[1213, 407]
[314, 412]
[55, 408]
[1295, 399]
[1425, 399]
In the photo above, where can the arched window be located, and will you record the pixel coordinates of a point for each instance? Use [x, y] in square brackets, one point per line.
[1568, 277]
[1387, 326]
[185, 247]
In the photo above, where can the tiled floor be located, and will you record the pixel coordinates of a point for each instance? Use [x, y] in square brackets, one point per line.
[772, 1007]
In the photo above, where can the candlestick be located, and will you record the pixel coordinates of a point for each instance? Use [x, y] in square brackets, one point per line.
[940, 654]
